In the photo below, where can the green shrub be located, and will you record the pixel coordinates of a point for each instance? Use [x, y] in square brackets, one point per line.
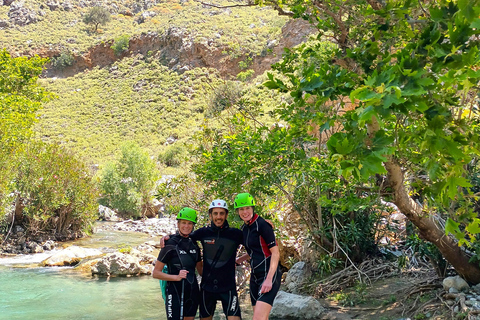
[58, 194]
[120, 44]
[65, 59]
[173, 156]
[245, 75]
[126, 183]
[225, 96]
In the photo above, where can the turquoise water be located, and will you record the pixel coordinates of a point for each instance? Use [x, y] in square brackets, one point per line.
[57, 293]
[28, 292]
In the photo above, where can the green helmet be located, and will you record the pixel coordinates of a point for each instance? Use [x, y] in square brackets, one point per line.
[187, 214]
[244, 200]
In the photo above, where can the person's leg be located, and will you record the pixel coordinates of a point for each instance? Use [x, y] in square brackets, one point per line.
[208, 303]
[230, 304]
[264, 302]
[261, 311]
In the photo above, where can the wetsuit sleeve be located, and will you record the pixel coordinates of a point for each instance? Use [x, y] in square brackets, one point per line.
[199, 256]
[196, 235]
[266, 231]
[239, 236]
[165, 254]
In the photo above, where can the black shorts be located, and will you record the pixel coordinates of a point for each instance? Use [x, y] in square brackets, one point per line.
[268, 297]
[230, 304]
[174, 302]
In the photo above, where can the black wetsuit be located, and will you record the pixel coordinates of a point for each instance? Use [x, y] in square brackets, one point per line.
[178, 254]
[218, 281]
[258, 238]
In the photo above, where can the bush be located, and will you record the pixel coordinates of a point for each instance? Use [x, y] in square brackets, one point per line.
[65, 59]
[126, 184]
[120, 44]
[245, 75]
[225, 96]
[173, 156]
[58, 194]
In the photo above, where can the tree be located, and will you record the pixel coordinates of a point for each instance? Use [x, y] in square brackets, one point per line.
[58, 195]
[97, 16]
[394, 101]
[20, 99]
[127, 184]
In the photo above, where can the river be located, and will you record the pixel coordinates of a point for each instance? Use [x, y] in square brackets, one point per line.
[31, 292]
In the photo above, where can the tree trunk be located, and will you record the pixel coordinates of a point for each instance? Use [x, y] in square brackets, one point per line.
[18, 214]
[428, 228]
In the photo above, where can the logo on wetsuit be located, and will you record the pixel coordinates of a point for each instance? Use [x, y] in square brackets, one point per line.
[210, 241]
[169, 306]
[234, 304]
[185, 252]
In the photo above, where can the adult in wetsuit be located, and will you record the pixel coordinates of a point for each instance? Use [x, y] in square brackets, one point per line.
[259, 240]
[220, 243]
[182, 256]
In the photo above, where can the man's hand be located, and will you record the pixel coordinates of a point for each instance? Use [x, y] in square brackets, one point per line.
[162, 241]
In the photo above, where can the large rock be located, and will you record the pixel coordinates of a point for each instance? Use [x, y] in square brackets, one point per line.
[456, 283]
[22, 16]
[119, 264]
[289, 306]
[107, 214]
[70, 256]
[296, 277]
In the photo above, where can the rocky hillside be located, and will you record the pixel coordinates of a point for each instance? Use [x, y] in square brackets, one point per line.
[157, 90]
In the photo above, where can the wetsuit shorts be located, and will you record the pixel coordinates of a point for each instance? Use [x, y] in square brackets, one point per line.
[268, 297]
[173, 304]
[229, 299]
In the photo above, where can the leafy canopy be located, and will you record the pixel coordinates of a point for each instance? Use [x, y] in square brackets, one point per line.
[97, 16]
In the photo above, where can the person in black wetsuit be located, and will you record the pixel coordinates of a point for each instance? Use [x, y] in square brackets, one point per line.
[182, 256]
[259, 240]
[220, 243]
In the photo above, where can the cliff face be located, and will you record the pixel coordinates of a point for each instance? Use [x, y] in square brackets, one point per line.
[178, 50]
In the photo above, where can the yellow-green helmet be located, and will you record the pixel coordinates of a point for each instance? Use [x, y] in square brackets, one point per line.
[187, 214]
[243, 200]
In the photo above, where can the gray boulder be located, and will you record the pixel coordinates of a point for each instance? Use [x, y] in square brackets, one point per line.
[455, 282]
[289, 306]
[296, 277]
[21, 15]
[70, 256]
[119, 264]
[107, 214]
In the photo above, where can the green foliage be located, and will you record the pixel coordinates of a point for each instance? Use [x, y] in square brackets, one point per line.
[327, 265]
[245, 75]
[126, 184]
[173, 156]
[126, 249]
[353, 298]
[224, 97]
[397, 95]
[120, 44]
[65, 59]
[57, 191]
[20, 98]
[97, 16]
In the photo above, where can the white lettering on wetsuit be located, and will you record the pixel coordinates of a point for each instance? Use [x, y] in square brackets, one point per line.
[169, 306]
[234, 304]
